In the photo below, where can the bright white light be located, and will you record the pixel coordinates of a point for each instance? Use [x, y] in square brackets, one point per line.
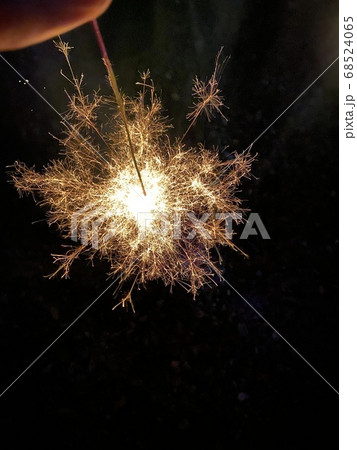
[137, 203]
[128, 198]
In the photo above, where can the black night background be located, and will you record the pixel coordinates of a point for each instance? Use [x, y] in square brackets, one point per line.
[208, 373]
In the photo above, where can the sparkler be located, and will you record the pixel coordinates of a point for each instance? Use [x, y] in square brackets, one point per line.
[156, 218]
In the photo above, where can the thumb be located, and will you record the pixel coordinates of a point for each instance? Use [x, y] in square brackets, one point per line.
[28, 22]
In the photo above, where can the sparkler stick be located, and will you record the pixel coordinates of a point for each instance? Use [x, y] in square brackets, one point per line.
[118, 96]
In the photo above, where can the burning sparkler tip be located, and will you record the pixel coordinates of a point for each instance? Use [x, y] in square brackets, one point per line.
[157, 223]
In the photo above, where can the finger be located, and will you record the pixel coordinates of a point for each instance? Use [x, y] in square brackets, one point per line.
[28, 22]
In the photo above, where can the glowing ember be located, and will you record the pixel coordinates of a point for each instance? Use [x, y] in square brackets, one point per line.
[127, 196]
[94, 196]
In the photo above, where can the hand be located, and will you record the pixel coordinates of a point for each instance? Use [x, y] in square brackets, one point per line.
[28, 22]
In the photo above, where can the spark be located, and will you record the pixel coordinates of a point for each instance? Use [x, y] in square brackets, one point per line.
[94, 196]
[207, 95]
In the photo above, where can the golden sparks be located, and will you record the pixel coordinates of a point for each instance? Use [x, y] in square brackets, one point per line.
[94, 197]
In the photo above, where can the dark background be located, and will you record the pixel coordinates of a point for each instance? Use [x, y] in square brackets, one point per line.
[178, 372]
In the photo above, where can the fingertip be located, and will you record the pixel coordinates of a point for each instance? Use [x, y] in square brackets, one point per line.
[25, 23]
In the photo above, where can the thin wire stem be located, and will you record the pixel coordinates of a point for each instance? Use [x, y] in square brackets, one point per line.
[118, 97]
